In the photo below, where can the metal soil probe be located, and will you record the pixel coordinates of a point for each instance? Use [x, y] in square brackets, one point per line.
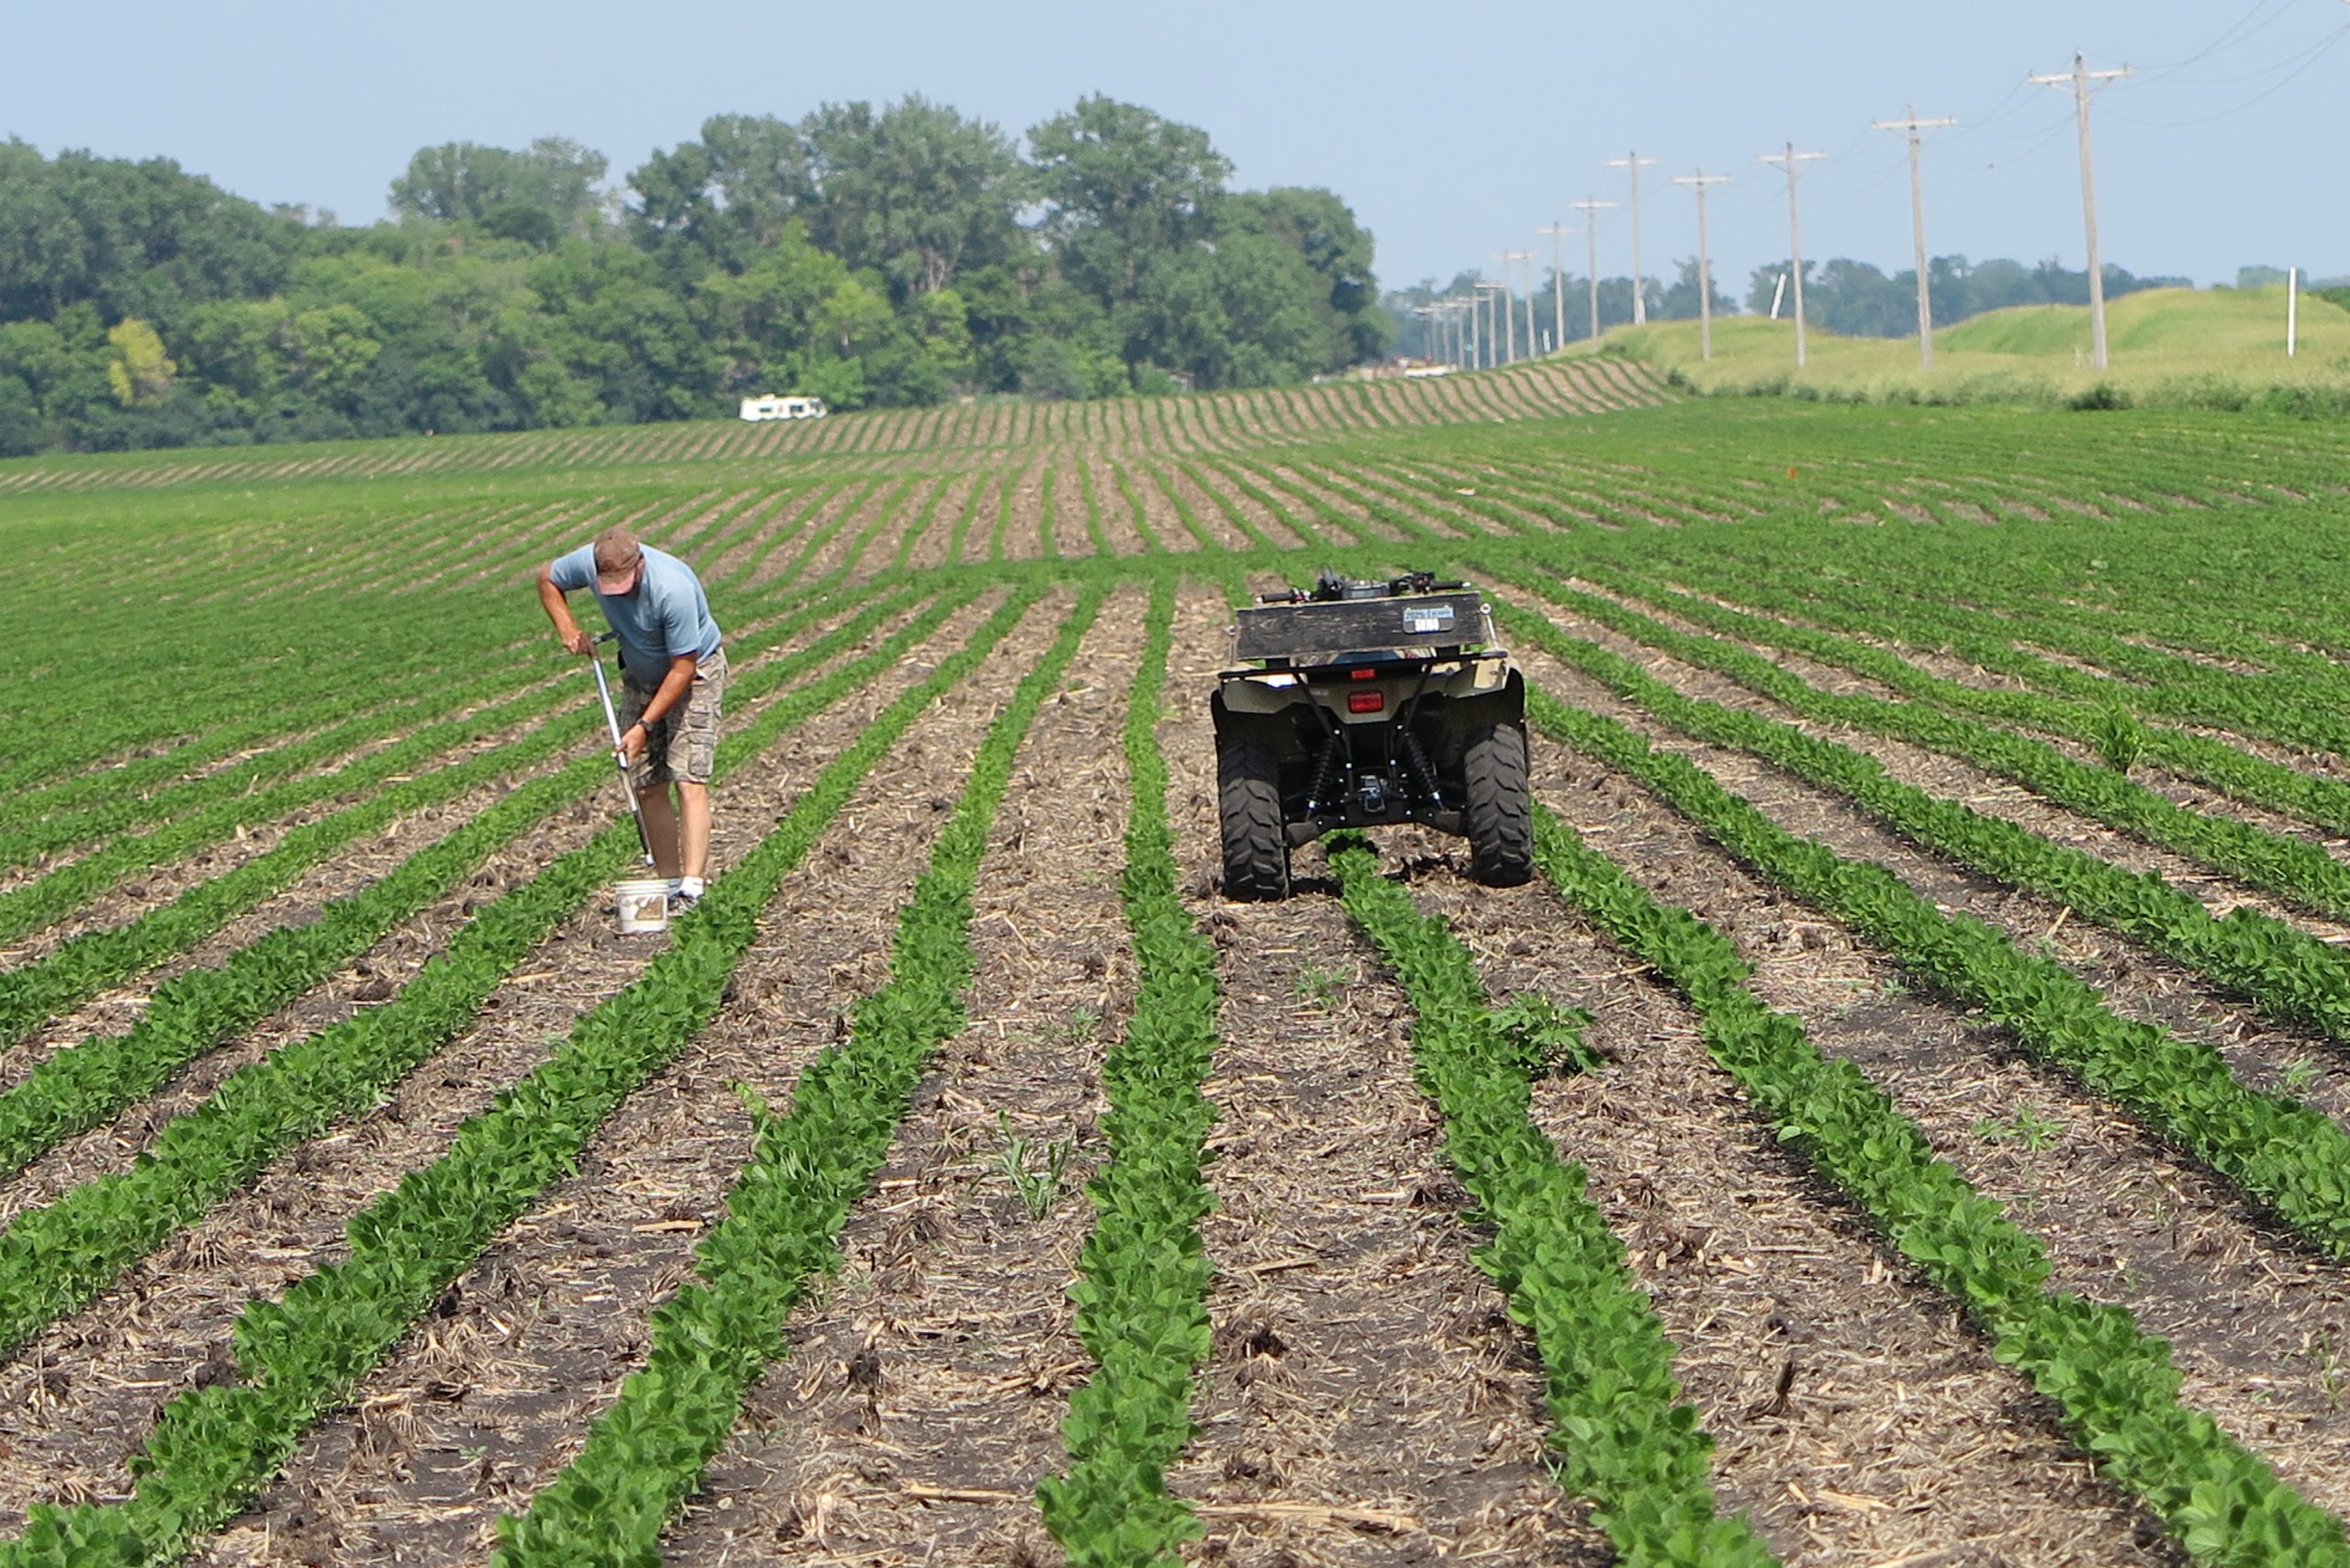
[620, 758]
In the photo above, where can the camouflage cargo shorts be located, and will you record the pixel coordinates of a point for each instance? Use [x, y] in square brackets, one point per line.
[683, 745]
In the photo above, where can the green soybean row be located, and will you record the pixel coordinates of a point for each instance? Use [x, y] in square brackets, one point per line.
[1143, 1274]
[1625, 1440]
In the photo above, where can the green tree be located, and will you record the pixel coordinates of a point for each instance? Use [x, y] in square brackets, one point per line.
[137, 370]
[21, 431]
[916, 193]
[144, 240]
[331, 346]
[554, 178]
[1321, 228]
[1124, 188]
[723, 199]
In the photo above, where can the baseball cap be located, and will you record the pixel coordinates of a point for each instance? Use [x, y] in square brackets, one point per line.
[618, 558]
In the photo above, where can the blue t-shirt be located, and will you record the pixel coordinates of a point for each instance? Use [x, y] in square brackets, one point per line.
[667, 616]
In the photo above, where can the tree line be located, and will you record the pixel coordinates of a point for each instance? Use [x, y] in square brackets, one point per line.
[898, 255]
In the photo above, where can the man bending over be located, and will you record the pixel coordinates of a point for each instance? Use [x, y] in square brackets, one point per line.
[673, 683]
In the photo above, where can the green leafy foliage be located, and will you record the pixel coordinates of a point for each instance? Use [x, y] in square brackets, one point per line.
[1626, 1440]
[1143, 1275]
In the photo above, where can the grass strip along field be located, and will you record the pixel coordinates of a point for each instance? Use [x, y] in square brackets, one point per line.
[1144, 1274]
[2115, 1386]
[1625, 1440]
[784, 1215]
[297, 1356]
[56, 1257]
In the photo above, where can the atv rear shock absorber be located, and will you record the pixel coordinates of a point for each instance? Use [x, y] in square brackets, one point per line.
[1325, 767]
[1423, 773]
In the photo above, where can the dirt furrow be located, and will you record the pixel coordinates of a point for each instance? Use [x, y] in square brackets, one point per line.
[930, 550]
[1221, 491]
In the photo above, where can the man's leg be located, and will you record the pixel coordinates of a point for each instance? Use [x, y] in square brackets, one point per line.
[650, 779]
[693, 760]
[660, 827]
[693, 831]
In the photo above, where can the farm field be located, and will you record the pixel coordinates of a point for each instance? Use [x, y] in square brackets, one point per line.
[1905, 1120]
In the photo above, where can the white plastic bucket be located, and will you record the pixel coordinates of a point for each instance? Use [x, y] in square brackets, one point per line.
[644, 905]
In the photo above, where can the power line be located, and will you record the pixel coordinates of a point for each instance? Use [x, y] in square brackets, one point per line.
[2244, 31]
[2317, 53]
[2056, 128]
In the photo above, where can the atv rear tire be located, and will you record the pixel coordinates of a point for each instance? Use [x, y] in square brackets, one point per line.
[1256, 849]
[1500, 815]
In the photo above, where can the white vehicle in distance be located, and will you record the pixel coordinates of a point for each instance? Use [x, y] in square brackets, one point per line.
[775, 406]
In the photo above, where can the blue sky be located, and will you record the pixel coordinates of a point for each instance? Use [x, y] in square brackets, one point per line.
[1453, 131]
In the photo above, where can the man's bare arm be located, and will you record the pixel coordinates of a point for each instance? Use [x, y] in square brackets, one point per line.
[558, 609]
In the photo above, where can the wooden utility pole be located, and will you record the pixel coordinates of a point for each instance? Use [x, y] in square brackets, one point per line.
[1793, 160]
[1494, 307]
[2083, 82]
[1913, 125]
[1634, 162]
[1507, 307]
[1591, 211]
[1526, 259]
[1557, 233]
[1699, 182]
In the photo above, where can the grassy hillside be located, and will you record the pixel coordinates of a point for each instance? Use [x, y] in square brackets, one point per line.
[2222, 348]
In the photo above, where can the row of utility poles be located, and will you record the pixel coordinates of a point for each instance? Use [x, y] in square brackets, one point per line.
[1489, 312]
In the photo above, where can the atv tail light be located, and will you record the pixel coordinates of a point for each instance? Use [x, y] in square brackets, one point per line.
[1366, 701]
[1362, 675]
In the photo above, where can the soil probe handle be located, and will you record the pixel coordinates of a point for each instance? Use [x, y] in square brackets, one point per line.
[619, 755]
